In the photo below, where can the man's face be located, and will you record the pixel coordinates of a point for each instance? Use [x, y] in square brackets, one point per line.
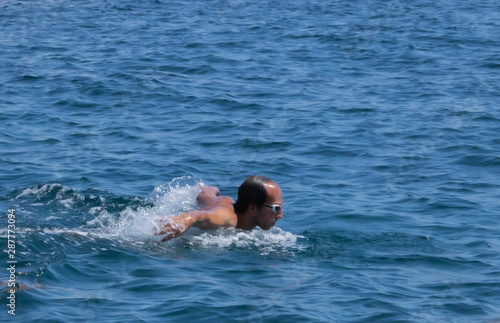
[267, 218]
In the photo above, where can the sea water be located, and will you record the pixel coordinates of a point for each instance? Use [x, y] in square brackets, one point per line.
[378, 119]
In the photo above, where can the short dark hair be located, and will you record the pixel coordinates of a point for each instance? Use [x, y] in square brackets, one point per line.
[252, 191]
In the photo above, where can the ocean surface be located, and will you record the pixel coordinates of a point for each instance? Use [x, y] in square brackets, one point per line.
[380, 120]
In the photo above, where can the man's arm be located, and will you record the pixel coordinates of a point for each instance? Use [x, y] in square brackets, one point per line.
[203, 219]
[178, 224]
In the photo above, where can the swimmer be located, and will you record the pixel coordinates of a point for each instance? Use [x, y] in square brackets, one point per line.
[260, 203]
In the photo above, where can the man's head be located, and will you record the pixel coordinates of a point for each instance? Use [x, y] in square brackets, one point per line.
[260, 197]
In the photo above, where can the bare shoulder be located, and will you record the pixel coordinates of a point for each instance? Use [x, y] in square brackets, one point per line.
[224, 200]
[207, 195]
[218, 201]
[219, 213]
[210, 189]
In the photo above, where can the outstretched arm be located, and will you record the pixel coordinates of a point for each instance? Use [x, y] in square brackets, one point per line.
[203, 219]
[177, 225]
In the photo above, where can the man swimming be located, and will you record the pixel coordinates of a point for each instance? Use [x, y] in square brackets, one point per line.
[260, 203]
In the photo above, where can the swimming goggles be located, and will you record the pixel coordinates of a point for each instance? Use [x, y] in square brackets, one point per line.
[276, 208]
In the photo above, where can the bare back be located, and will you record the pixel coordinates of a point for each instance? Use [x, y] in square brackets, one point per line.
[216, 211]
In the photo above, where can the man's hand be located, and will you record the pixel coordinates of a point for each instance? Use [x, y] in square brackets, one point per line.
[174, 227]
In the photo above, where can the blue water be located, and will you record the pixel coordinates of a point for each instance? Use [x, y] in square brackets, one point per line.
[380, 121]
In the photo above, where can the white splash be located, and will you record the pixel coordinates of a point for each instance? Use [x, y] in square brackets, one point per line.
[136, 224]
[266, 242]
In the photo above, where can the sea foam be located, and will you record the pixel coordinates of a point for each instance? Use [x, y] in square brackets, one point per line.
[136, 224]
